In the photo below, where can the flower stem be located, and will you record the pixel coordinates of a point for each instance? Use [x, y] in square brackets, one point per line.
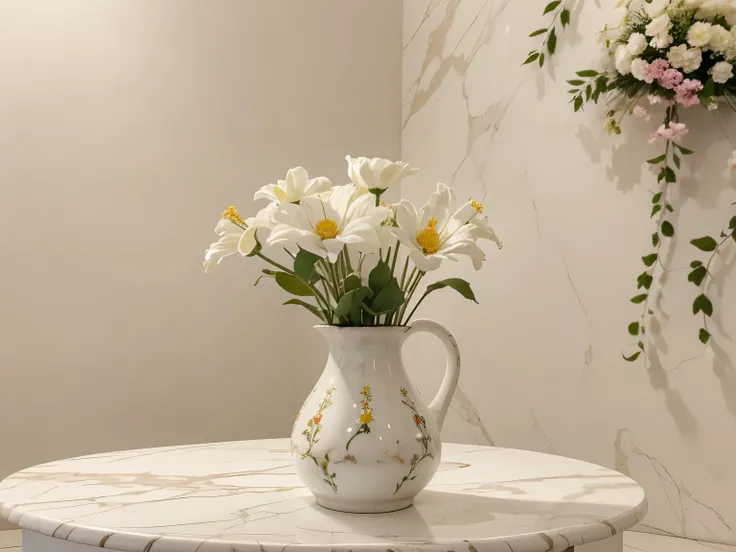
[274, 263]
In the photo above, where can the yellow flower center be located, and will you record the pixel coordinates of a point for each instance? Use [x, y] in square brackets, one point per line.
[429, 239]
[366, 417]
[326, 229]
[231, 214]
[477, 204]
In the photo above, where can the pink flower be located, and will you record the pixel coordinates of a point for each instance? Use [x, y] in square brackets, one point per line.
[674, 130]
[656, 69]
[687, 92]
[640, 112]
[670, 78]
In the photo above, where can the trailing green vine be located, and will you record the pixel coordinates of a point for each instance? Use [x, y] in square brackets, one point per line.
[560, 13]
[701, 275]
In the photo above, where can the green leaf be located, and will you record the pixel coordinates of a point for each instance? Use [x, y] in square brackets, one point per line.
[634, 328]
[676, 159]
[702, 303]
[656, 209]
[458, 284]
[587, 73]
[667, 229]
[389, 299]
[565, 17]
[644, 280]
[538, 32]
[706, 93]
[348, 307]
[633, 357]
[578, 103]
[588, 92]
[668, 207]
[649, 260]
[292, 284]
[311, 308]
[304, 266]
[351, 282]
[551, 6]
[704, 336]
[379, 276]
[706, 243]
[656, 160]
[552, 41]
[669, 175]
[732, 223]
[640, 344]
[266, 274]
[541, 60]
[696, 264]
[697, 276]
[656, 197]
[639, 298]
[575, 82]
[655, 239]
[684, 151]
[531, 58]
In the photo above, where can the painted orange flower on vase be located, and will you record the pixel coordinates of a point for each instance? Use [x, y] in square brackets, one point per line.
[314, 426]
[423, 437]
[366, 415]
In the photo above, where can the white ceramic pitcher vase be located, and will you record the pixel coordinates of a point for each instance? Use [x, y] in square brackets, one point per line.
[364, 441]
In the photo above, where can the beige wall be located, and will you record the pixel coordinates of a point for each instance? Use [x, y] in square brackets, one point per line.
[125, 128]
[542, 352]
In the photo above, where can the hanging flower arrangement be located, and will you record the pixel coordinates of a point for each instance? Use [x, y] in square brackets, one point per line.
[677, 54]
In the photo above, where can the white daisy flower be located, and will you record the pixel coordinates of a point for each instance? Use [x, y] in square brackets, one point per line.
[294, 187]
[324, 225]
[435, 233]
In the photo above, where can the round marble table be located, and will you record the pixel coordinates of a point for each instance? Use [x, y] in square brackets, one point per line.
[245, 497]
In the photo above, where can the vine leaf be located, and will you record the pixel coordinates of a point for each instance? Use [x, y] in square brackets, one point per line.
[656, 209]
[698, 275]
[552, 41]
[656, 197]
[634, 328]
[541, 60]
[706, 243]
[551, 6]
[639, 298]
[667, 229]
[538, 32]
[532, 57]
[633, 357]
[704, 336]
[649, 260]
[565, 17]
[655, 239]
[702, 303]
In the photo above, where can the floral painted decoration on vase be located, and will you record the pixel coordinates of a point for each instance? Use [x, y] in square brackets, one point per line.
[666, 55]
[366, 415]
[423, 438]
[314, 426]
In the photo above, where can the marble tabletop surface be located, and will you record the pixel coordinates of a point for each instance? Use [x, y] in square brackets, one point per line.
[245, 497]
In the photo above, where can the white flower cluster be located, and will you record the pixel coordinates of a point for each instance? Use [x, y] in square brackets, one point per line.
[313, 215]
[711, 34]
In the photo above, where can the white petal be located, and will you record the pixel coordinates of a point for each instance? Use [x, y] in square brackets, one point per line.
[438, 206]
[266, 192]
[333, 247]
[461, 217]
[318, 185]
[425, 264]
[247, 242]
[470, 249]
[296, 183]
[340, 200]
[407, 218]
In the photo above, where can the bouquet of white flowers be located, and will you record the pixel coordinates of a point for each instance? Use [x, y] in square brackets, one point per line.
[358, 261]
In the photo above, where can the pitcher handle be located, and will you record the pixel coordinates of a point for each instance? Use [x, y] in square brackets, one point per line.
[441, 403]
